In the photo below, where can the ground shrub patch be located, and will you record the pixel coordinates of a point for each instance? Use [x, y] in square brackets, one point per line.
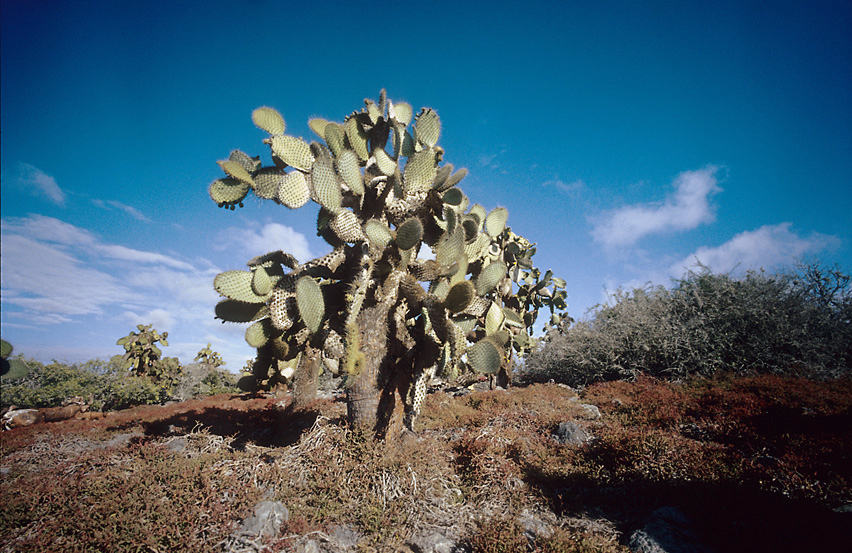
[742, 456]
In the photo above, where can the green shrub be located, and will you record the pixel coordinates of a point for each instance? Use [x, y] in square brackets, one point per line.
[706, 323]
[105, 385]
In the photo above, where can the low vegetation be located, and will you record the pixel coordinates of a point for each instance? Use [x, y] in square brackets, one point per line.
[797, 323]
[760, 462]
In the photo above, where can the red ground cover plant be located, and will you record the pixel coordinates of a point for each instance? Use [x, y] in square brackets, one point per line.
[756, 460]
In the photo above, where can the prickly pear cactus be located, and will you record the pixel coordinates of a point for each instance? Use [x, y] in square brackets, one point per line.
[206, 356]
[144, 358]
[418, 281]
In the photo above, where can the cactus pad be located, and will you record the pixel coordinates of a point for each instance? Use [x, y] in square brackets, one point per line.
[260, 282]
[428, 127]
[324, 179]
[259, 333]
[236, 170]
[237, 285]
[228, 191]
[292, 151]
[310, 302]
[267, 181]
[317, 124]
[294, 191]
[484, 357]
[459, 296]
[269, 120]
[402, 113]
[386, 165]
[249, 164]
[378, 233]
[419, 172]
[350, 170]
[496, 221]
[450, 248]
[347, 227]
[334, 136]
[454, 179]
[234, 311]
[358, 138]
[409, 233]
[490, 277]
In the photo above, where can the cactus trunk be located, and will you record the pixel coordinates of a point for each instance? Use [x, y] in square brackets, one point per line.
[363, 394]
[305, 378]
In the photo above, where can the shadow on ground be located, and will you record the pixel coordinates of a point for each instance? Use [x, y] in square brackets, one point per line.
[267, 425]
[722, 517]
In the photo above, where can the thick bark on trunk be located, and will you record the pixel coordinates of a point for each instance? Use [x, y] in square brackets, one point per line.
[363, 394]
[305, 378]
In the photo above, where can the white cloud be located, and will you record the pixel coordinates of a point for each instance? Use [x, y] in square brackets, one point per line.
[68, 294]
[128, 254]
[572, 188]
[767, 247]
[686, 209]
[132, 211]
[271, 237]
[47, 280]
[158, 318]
[39, 183]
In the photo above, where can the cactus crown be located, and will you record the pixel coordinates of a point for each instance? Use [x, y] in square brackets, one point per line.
[385, 198]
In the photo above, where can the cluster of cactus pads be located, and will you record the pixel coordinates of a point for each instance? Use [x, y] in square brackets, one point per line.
[418, 281]
[143, 357]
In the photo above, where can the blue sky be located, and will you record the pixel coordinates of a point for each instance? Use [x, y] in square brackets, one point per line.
[627, 139]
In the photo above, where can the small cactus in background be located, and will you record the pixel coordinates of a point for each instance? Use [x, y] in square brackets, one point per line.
[206, 356]
[419, 281]
[144, 358]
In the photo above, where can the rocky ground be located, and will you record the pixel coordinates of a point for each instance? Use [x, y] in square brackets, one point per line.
[747, 465]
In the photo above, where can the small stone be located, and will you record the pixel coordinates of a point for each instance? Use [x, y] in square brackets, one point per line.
[266, 520]
[177, 446]
[570, 433]
[592, 411]
[343, 536]
[432, 542]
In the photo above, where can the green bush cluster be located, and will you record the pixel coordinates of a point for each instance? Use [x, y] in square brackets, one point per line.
[788, 323]
[104, 384]
[108, 385]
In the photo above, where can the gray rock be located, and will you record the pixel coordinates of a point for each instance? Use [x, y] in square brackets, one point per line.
[177, 445]
[432, 542]
[343, 536]
[570, 433]
[667, 530]
[266, 520]
[311, 546]
[534, 527]
[592, 411]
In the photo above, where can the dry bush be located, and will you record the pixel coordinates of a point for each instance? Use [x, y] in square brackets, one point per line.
[706, 323]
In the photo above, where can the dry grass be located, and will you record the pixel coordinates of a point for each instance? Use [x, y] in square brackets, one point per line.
[746, 457]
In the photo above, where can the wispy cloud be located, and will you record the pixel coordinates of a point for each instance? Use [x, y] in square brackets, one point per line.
[130, 210]
[61, 280]
[687, 208]
[572, 188]
[768, 247]
[39, 183]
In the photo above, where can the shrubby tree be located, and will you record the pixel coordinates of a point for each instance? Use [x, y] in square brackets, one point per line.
[418, 281]
[706, 323]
